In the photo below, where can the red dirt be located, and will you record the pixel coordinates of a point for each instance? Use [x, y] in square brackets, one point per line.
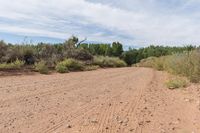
[104, 101]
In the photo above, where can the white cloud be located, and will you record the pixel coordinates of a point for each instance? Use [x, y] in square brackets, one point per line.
[148, 21]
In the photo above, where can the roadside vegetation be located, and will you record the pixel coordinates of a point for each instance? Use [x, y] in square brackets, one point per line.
[186, 64]
[12, 65]
[176, 83]
[75, 55]
[105, 61]
[41, 67]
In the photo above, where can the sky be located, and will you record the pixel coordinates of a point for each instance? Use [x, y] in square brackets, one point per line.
[134, 23]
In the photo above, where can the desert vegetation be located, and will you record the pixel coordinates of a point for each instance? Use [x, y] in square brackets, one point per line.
[185, 64]
[177, 82]
[75, 55]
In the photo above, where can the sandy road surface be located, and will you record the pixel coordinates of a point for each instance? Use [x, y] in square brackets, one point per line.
[104, 101]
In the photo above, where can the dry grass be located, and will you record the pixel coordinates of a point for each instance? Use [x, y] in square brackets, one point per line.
[176, 83]
[184, 64]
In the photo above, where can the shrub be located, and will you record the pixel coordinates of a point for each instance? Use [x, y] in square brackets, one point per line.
[105, 61]
[13, 65]
[82, 54]
[28, 53]
[176, 83]
[41, 67]
[69, 64]
[148, 62]
[61, 68]
[91, 67]
[159, 63]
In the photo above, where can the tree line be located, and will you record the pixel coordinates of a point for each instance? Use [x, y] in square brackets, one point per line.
[73, 48]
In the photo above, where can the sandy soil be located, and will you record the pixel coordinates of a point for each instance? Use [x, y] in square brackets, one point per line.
[104, 101]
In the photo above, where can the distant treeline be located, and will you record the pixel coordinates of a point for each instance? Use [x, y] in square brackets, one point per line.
[73, 48]
[132, 55]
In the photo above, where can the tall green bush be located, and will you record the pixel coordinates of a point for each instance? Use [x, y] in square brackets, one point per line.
[71, 65]
[42, 67]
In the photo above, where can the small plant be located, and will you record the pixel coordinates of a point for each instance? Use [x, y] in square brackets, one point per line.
[41, 67]
[176, 83]
[13, 65]
[61, 68]
[69, 64]
[91, 67]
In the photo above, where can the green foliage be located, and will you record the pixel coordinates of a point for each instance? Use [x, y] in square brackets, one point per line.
[73, 48]
[69, 64]
[130, 56]
[13, 65]
[133, 56]
[176, 83]
[105, 61]
[61, 68]
[91, 67]
[117, 49]
[28, 53]
[41, 67]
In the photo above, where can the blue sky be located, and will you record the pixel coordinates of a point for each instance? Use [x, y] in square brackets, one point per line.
[133, 22]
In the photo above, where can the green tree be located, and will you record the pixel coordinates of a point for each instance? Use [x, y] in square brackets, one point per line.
[117, 49]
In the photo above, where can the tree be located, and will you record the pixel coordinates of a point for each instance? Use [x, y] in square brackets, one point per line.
[117, 49]
[130, 56]
[3, 50]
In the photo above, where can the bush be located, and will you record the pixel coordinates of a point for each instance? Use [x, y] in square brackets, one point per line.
[91, 67]
[176, 83]
[82, 54]
[69, 64]
[105, 61]
[41, 67]
[13, 65]
[61, 68]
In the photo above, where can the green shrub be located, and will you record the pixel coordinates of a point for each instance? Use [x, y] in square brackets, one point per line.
[61, 68]
[13, 65]
[105, 61]
[41, 67]
[69, 64]
[176, 83]
[91, 67]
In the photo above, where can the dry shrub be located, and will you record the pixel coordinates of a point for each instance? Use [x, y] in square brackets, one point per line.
[184, 64]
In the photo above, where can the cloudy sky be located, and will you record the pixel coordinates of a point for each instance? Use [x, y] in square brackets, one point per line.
[132, 22]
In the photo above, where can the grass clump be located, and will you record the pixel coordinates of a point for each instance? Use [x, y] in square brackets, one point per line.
[91, 67]
[13, 65]
[41, 67]
[176, 83]
[105, 61]
[61, 68]
[69, 65]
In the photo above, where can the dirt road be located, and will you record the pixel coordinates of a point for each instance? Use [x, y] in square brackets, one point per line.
[121, 100]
